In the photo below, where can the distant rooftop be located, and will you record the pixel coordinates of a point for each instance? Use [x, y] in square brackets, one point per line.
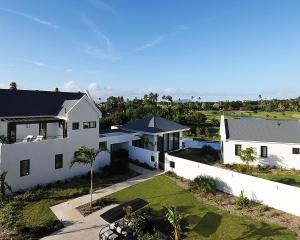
[17, 103]
[263, 130]
[154, 124]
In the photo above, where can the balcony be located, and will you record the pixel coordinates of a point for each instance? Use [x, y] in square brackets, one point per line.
[26, 130]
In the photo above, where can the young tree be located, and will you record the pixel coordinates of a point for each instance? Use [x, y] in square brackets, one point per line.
[248, 155]
[13, 86]
[3, 185]
[175, 218]
[86, 156]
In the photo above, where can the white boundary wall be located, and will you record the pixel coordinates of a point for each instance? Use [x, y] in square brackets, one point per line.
[276, 195]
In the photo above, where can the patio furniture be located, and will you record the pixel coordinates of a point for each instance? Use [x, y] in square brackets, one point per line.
[39, 138]
[118, 226]
[29, 138]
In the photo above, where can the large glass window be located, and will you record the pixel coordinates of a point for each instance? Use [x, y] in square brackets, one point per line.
[176, 140]
[171, 141]
[166, 142]
[24, 167]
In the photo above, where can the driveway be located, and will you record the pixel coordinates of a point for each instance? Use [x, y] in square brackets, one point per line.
[79, 227]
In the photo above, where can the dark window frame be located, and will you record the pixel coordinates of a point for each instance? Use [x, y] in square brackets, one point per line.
[237, 149]
[296, 151]
[75, 126]
[102, 145]
[61, 159]
[24, 163]
[172, 164]
[262, 153]
[90, 124]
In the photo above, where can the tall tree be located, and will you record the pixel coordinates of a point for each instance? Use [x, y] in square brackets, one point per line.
[13, 86]
[86, 156]
[4, 187]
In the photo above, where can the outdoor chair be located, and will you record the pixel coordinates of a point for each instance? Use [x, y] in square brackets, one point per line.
[39, 138]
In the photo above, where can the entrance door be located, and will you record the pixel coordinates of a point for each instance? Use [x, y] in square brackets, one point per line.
[12, 132]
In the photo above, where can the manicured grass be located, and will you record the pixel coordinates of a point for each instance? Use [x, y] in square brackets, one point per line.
[289, 179]
[35, 218]
[202, 221]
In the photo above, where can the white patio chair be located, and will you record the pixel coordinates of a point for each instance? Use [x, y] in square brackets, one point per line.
[29, 138]
[39, 138]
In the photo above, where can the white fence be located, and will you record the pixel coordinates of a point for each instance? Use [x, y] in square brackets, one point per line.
[273, 194]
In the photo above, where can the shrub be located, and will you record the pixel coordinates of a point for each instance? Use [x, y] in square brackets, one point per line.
[10, 214]
[152, 236]
[242, 201]
[143, 165]
[203, 184]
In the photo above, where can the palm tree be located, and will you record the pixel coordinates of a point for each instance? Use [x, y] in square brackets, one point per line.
[86, 156]
[3, 185]
[175, 218]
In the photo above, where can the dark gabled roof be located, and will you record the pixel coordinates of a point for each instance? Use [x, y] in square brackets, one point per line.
[16, 103]
[263, 130]
[154, 124]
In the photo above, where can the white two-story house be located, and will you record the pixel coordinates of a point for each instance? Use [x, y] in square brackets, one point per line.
[277, 143]
[40, 132]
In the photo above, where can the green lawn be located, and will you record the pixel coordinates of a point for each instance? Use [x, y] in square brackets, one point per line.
[285, 178]
[34, 217]
[202, 221]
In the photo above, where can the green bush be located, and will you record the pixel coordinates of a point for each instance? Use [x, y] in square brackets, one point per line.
[203, 184]
[152, 236]
[242, 201]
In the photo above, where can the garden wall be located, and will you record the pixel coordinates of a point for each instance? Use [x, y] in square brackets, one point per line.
[276, 195]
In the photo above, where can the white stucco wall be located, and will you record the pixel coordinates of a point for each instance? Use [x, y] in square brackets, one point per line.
[23, 131]
[279, 154]
[42, 154]
[273, 194]
[3, 128]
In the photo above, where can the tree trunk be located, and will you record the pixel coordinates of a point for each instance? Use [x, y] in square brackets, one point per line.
[91, 190]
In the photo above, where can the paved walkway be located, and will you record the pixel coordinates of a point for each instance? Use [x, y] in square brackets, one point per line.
[79, 227]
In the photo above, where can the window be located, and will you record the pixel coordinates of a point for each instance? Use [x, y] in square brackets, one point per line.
[58, 161]
[176, 140]
[27, 125]
[75, 125]
[264, 151]
[138, 143]
[172, 164]
[89, 124]
[296, 150]
[102, 146]
[238, 149]
[24, 167]
[152, 158]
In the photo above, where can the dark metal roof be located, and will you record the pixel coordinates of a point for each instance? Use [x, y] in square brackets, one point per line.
[22, 103]
[263, 130]
[31, 119]
[154, 124]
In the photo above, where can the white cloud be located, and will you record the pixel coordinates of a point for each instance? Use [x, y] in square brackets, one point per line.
[70, 86]
[68, 70]
[151, 44]
[39, 64]
[102, 5]
[30, 17]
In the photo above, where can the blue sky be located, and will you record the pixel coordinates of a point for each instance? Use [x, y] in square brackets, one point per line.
[217, 50]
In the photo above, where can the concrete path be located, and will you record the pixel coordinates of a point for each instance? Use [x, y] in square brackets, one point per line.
[79, 227]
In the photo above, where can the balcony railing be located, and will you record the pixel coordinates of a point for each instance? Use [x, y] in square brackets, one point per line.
[29, 139]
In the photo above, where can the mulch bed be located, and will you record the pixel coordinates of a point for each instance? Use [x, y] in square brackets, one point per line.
[98, 204]
[255, 211]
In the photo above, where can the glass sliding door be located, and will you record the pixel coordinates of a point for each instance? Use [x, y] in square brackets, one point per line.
[166, 142]
[171, 139]
[176, 140]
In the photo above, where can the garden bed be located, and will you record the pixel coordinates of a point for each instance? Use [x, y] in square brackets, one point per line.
[289, 177]
[97, 205]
